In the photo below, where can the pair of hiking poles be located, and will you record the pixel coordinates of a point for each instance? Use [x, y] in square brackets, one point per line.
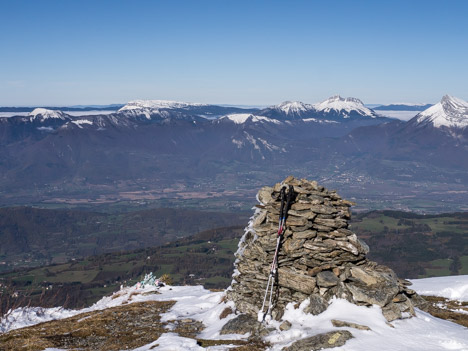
[266, 316]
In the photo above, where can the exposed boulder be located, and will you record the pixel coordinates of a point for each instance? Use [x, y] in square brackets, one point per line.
[321, 341]
[242, 324]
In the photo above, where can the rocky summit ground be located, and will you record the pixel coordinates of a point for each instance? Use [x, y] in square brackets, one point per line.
[132, 325]
[127, 326]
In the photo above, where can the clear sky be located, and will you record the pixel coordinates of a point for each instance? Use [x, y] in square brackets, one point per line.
[233, 52]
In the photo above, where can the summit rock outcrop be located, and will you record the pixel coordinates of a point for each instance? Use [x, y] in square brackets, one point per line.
[320, 258]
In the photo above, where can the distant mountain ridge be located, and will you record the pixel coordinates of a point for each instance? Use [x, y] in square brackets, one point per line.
[450, 112]
[344, 107]
[64, 108]
[160, 142]
[333, 108]
[433, 141]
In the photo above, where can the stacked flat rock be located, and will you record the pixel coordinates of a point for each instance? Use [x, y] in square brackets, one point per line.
[319, 257]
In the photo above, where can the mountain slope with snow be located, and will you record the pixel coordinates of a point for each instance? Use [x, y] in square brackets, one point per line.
[157, 104]
[42, 114]
[451, 287]
[293, 108]
[178, 110]
[241, 118]
[450, 112]
[336, 106]
[289, 110]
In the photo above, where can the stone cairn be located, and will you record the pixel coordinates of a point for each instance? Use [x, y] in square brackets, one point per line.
[319, 258]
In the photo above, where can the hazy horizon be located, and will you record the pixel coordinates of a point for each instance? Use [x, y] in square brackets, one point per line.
[101, 105]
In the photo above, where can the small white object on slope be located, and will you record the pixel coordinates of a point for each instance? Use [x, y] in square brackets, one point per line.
[452, 287]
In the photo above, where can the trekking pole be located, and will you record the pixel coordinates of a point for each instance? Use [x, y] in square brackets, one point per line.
[278, 243]
[274, 265]
[261, 315]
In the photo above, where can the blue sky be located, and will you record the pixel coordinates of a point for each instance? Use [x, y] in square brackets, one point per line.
[233, 52]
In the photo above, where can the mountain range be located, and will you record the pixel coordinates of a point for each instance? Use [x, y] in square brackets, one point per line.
[77, 108]
[158, 144]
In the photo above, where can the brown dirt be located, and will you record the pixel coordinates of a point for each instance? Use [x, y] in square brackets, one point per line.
[127, 326]
[441, 307]
[226, 312]
[132, 325]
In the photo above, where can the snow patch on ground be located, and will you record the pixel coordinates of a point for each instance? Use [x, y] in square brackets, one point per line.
[175, 342]
[452, 287]
[422, 332]
[90, 113]
[241, 118]
[319, 120]
[80, 122]
[27, 316]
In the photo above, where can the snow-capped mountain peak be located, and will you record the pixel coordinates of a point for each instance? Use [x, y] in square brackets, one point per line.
[288, 110]
[293, 107]
[449, 112]
[344, 106]
[157, 104]
[43, 114]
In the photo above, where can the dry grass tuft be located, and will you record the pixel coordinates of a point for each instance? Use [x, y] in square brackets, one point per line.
[132, 325]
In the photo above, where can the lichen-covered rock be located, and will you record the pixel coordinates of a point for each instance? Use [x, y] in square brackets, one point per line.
[321, 341]
[242, 324]
[317, 305]
[326, 279]
[319, 257]
[286, 325]
[339, 324]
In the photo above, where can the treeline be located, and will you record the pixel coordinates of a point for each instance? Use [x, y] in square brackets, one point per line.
[36, 237]
[415, 240]
[409, 245]
[192, 260]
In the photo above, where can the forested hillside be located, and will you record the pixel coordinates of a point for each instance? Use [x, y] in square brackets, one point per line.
[413, 245]
[35, 237]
